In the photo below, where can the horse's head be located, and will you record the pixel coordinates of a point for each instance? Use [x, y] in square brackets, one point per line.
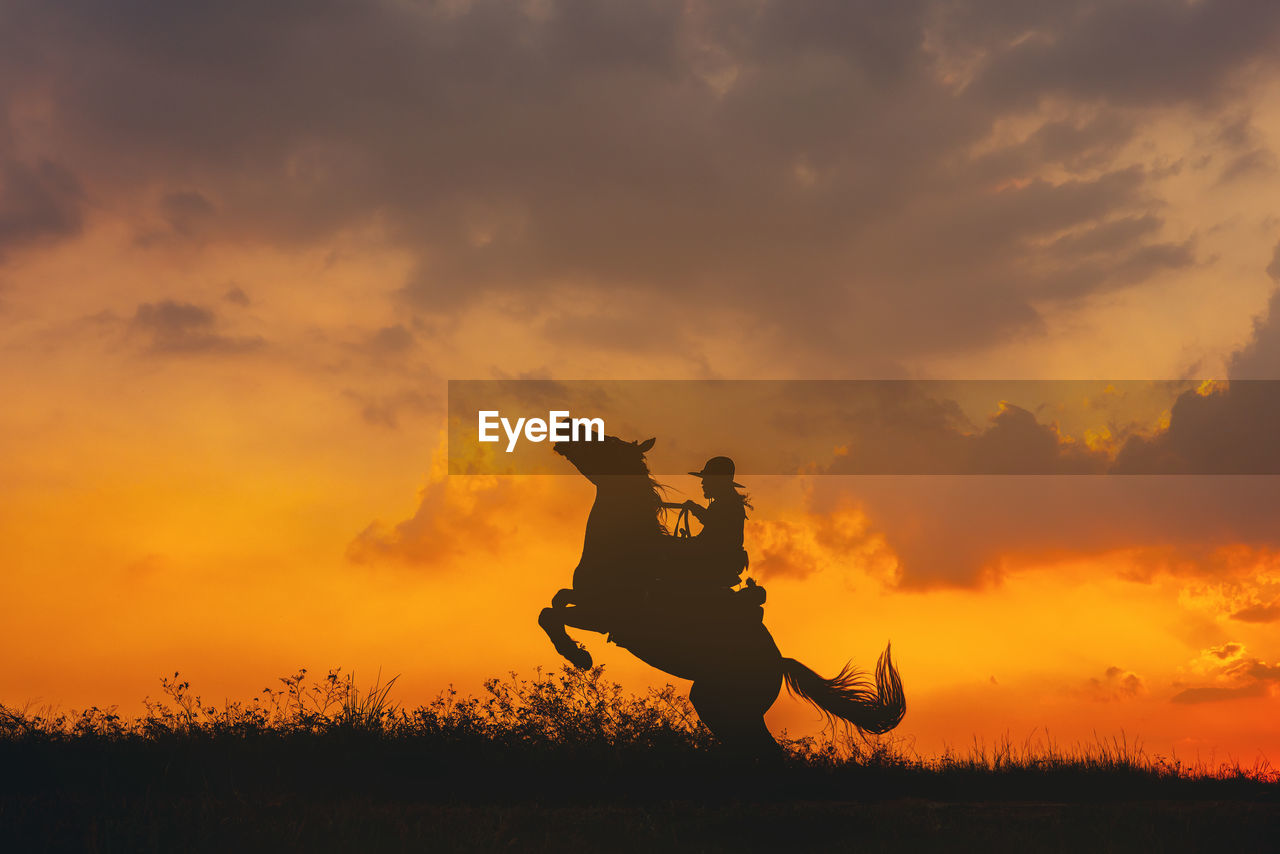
[612, 456]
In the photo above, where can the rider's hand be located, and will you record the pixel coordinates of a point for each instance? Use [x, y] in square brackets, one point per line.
[692, 505]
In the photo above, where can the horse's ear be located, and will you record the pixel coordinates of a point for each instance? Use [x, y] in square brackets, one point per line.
[646, 445]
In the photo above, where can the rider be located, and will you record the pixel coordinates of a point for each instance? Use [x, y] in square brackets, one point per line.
[719, 557]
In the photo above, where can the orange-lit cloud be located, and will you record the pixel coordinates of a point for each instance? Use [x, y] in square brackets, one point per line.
[457, 517]
[1233, 674]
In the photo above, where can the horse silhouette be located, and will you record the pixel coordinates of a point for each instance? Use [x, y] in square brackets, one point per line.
[632, 583]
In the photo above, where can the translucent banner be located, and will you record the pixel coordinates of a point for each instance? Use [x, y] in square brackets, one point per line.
[871, 427]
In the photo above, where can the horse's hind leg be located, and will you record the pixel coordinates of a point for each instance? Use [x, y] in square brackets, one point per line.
[737, 724]
[552, 622]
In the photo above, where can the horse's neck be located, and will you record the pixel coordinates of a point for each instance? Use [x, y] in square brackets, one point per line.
[623, 515]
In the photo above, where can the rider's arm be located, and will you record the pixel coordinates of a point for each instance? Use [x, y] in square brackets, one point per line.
[699, 512]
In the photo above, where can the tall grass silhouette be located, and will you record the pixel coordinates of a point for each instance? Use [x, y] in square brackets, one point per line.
[560, 714]
[329, 764]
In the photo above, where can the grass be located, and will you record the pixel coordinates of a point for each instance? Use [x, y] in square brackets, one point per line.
[568, 759]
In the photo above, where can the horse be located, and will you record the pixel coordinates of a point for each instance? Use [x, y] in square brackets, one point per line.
[627, 585]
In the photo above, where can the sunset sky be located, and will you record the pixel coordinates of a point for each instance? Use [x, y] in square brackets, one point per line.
[245, 246]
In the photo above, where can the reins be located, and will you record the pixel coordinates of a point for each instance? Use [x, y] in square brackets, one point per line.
[681, 529]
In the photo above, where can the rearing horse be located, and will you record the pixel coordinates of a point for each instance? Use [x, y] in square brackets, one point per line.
[628, 585]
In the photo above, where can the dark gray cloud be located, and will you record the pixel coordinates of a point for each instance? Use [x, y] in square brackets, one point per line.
[391, 341]
[236, 296]
[178, 328]
[187, 216]
[965, 530]
[1230, 430]
[388, 410]
[1251, 164]
[1260, 358]
[804, 170]
[186, 211]
[913, 434]
[1140, 52]
[38, 201]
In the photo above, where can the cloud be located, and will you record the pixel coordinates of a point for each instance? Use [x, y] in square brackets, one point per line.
[1218, 430]
[1260, 358]
[969, 531]
[913, 434]
[1116, 684]
[1234, 673]
[963, 531]
[1215, 694]
[1078, 145]
[185, 210]
[390, 341]
[1251, 164]
[1235, 583]
[236, 296]
[459, 517]
[1134, 51]
[187, 215]
[1258, 613]
[838, 541]
[387, 410]
[38, 201]
[179, 328]
[825, 177]
[1225, 652]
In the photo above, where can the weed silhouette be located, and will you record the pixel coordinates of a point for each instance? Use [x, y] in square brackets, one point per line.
[567, 759]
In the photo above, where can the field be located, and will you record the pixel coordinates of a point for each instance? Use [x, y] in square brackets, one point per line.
[568, 761]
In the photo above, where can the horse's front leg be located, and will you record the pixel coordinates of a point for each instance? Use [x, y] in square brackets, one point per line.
[553, 621]
[584, 616]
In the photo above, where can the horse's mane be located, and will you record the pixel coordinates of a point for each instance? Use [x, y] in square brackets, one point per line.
[654, 492]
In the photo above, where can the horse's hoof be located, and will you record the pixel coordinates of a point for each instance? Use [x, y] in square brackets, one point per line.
[575, 653]
[578, 656]
[562, 599]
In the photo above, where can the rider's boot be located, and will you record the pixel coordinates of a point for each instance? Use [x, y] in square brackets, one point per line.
[576, 654]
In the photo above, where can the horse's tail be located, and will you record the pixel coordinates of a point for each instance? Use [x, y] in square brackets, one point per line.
[850, 696]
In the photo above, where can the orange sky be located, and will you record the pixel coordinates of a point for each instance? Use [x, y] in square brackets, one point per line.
[241, 253]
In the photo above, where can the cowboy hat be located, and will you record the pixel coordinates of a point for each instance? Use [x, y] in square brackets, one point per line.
[717, 467]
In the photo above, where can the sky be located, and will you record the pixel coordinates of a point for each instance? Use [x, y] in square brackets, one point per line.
[244, 248]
